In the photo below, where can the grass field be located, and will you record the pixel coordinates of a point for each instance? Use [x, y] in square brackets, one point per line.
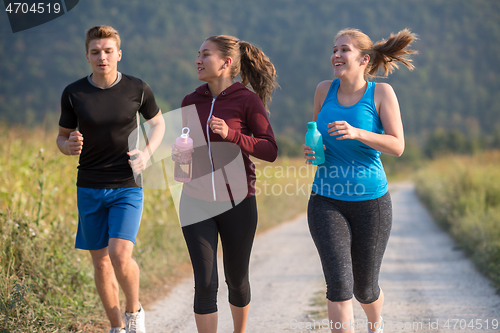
[45, 284]
[463, 195]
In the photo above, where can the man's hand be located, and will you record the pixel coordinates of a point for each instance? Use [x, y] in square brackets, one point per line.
[75, 143]
[138, 161]
[69, 141]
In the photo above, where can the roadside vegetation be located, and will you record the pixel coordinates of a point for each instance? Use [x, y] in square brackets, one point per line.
[463, 195]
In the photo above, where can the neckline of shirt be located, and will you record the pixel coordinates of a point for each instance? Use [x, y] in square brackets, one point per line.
[355, 104]
[118, 79]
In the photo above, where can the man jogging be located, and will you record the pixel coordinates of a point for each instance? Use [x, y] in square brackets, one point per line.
[98, 114]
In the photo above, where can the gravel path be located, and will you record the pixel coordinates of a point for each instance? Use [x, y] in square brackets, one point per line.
[430, 286]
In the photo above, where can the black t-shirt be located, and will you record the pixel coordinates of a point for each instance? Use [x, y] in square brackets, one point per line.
[106, 118]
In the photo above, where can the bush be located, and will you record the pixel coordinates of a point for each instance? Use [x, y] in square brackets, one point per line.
[463, 194]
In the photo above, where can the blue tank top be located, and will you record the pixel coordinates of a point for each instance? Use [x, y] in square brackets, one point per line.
[352, 170]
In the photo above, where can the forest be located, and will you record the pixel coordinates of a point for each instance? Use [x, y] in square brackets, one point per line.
[451, 95]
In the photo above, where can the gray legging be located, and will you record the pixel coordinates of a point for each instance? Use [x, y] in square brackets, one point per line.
[351, 237]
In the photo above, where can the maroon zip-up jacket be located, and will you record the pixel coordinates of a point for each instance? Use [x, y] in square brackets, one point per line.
[222, 169]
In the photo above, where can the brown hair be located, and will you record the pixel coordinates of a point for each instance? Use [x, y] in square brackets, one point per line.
[101, 31]
[251, 63]
[384, 51]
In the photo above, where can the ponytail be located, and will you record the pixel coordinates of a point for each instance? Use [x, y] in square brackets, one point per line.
[385, 53]
[251, 63]
[258, 71]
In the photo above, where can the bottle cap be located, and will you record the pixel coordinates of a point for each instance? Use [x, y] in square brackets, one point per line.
[311, 125]
[185, 134]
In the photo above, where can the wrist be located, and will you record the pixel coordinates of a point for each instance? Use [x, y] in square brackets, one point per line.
[360, 135]
[67, 149]
[147, 153]
[230, 135]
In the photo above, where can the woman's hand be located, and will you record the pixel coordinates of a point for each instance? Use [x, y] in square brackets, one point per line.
[176, 155]
[343, 130]
[307, 150]
[218, 126]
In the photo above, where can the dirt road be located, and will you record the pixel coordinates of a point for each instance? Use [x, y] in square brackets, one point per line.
[430, 286]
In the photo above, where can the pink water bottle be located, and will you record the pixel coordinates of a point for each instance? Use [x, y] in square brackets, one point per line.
[183, 164]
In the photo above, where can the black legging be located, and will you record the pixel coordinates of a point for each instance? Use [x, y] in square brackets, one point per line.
[236, 228]
[351, 237]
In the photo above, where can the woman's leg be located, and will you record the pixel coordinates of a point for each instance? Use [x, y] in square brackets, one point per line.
[206, 323]
[331, 234]
[201, 234]
[371, 226]
[237, 231]
[373, 312]
[201, 240]
[240, 317]
[341, 316]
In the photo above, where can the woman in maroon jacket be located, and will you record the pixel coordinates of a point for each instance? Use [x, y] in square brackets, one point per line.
[220, 198]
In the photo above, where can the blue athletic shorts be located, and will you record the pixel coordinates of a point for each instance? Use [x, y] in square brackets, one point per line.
[107, 213]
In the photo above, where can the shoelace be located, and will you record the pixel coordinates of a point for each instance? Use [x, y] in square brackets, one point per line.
[132, 322]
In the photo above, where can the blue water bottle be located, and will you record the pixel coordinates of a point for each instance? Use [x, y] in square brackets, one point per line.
[315, 141]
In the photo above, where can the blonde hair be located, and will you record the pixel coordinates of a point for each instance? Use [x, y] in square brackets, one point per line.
[251, 63]
[385, 52]
[99, 32]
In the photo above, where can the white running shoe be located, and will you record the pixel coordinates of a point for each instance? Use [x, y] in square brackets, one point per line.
[135, 322]
[117, 330]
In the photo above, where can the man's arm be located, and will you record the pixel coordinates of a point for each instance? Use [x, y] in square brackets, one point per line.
[139, 159]
[69, 141]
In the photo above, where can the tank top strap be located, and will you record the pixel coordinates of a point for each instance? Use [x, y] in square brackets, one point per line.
[332, 92]
[370, 92]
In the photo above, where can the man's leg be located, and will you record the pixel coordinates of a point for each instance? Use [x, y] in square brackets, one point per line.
[113, 214]
[107, 285]
[125, 210]
[126, 271]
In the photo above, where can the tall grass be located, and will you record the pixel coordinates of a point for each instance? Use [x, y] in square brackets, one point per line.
[45, 284]
[463, 194]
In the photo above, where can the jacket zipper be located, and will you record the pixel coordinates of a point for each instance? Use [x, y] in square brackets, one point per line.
[210, 149]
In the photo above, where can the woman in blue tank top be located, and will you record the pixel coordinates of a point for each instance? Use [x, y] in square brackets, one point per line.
[350, 211]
